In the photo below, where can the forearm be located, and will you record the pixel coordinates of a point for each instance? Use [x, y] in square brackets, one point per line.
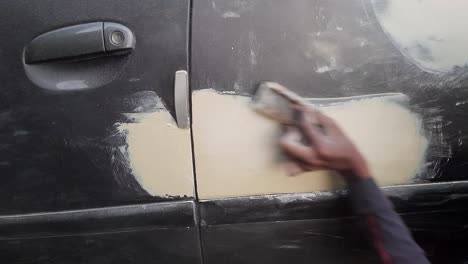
[387, 231]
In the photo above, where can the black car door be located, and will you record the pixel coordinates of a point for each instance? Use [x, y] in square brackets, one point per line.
[340, 50]
[94, 166]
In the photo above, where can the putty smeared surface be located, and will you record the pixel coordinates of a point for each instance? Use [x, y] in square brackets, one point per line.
[236, 151]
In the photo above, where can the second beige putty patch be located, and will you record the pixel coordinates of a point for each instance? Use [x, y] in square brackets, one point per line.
[236, 151]
[159, 153]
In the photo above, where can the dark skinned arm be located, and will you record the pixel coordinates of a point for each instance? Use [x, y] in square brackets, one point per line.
[328, 148]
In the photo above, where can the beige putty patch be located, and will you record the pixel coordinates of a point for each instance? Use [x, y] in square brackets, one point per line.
[236, 151]
[159, 153]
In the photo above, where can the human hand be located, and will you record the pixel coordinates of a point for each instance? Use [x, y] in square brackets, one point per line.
[326, 148]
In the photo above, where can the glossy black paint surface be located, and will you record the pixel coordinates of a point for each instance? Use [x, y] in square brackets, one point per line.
[59, 149]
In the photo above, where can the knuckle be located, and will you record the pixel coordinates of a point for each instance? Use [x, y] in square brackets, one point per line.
[324, 153]
[310, 159]
[313, 160]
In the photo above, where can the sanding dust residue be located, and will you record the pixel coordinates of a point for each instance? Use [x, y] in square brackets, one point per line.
[159, 153]
[432, 33]
[236, 151]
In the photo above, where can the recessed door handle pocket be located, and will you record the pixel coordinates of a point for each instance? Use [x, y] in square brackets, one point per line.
[80, 42]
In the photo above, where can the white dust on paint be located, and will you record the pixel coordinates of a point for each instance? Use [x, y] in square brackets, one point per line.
[330, 54]
[232, 9]
[254, 48]
[230, 14]
[431, 33]
[322, 69]
[237, 153]
[159, 153]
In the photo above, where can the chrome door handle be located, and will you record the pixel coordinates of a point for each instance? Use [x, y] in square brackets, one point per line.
[181, 99]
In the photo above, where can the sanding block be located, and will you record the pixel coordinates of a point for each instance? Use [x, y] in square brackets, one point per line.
[275, 101]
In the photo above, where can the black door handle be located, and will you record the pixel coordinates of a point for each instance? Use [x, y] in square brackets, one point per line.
[82, 41]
